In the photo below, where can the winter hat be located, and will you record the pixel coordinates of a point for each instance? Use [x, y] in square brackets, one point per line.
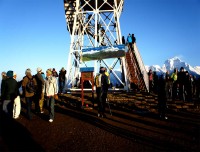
[49, 72]
[9, 74]
[39, 69]
[28, 71]
[14, 73]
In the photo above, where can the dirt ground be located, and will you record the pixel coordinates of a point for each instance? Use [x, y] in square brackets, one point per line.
[77, 130]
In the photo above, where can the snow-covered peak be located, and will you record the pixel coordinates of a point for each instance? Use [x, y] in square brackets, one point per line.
[172, 63]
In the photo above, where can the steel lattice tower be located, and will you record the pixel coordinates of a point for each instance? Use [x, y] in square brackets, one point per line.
[93, 23]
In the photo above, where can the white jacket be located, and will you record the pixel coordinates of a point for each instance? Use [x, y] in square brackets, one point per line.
[51, 86]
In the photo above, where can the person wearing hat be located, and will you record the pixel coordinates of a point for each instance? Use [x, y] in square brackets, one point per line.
[102, 84]
[39, 103]
[9, 92]
[17, 103]
[50, 90]
[28, 93]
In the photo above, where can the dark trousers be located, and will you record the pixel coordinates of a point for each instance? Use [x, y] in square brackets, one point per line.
[101, 100]
[181, 92]
[29, 101]
[174, 90]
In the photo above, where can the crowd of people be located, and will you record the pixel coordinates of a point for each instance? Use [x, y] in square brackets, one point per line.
[179, 85]
[34, 88]
[130, 40]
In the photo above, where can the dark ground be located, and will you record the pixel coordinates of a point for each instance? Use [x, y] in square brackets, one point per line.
[78, 130]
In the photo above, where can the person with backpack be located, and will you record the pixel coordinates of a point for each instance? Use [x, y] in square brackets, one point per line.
[29, 86]
[51, 91]
[39, 100]
[102, 84]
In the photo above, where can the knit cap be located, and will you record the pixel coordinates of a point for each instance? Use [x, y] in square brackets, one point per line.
[9, 74]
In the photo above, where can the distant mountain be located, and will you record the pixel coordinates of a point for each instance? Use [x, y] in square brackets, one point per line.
[172, 63]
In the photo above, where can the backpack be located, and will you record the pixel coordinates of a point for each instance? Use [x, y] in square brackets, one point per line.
[98, 80]
[30, 88]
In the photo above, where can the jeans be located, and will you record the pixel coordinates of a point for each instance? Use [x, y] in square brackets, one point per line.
[7, 106]
[61, 86]
[50, 105]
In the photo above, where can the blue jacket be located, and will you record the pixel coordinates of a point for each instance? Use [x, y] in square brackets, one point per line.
[129, 39]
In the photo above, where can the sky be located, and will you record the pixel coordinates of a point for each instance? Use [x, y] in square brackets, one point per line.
[33, 33]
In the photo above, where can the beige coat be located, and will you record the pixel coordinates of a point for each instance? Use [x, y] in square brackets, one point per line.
[51, 86]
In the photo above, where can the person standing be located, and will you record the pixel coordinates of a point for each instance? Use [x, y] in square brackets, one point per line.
[123, 40]
[3, 74]
[17, 102]
[9, 92]
[174, 78]
[150, 76]
[168, 85]
[50, 91]
[129, 40]
[54, 73]
[102, 84]
[181, 82]
[162, 99]
[133, 40]
[40, 91]
[29, 85]
[62, 80]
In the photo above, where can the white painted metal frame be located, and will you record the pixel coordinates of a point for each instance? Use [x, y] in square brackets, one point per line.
[93, 28]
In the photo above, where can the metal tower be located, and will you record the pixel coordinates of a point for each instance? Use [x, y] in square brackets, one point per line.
[95, 24]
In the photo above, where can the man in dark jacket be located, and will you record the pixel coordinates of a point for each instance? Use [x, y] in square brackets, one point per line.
[9, 92]
[39, 100]
[181, 81]
[3, 74]
[102, 84]
[62, 80]
[162, 105]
